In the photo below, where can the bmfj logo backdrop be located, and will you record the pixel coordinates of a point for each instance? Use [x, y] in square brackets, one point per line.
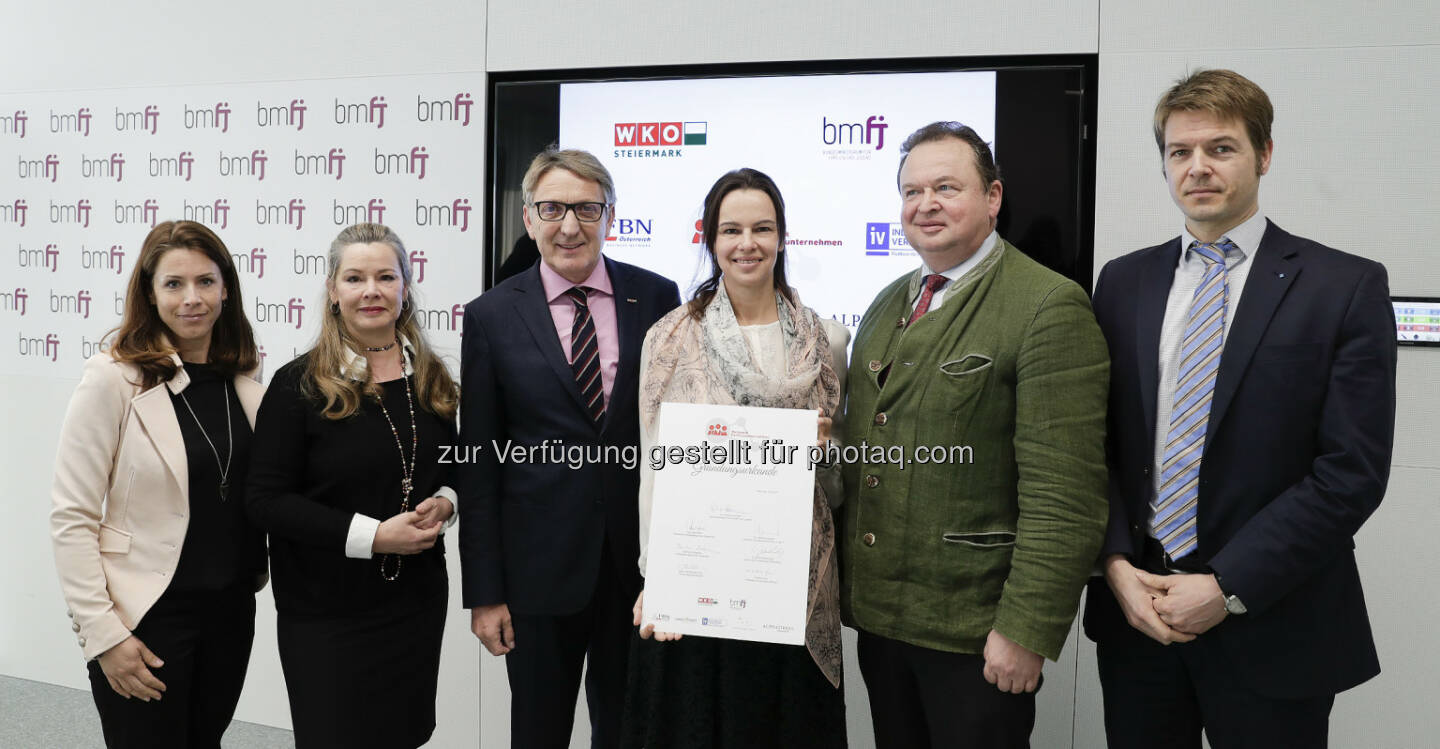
[276, 170]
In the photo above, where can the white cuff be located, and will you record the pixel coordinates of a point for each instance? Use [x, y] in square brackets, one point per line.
[360, 541]
[454, 498]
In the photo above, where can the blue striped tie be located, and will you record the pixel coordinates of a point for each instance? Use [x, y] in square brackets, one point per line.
[1173, 522]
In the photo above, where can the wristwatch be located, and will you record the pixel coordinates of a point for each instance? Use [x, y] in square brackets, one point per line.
[1232, 602]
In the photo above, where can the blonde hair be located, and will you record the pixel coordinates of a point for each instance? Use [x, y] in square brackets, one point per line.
[325, 377]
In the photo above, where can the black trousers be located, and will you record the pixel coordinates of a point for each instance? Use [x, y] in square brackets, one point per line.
[550, 653]
[1162, 696]
[930, 698]
[204, 640]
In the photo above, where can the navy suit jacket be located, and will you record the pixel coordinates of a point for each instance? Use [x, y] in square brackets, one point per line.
[1297, 454]
[531, 533]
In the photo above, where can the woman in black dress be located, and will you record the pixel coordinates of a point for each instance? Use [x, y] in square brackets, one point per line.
[156, 559]
[347, 479]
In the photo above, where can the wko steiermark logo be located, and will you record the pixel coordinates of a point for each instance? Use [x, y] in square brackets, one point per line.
[658, 139]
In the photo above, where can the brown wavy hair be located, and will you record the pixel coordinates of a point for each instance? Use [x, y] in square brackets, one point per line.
[740, 179]
[142, 338]
[324, 378]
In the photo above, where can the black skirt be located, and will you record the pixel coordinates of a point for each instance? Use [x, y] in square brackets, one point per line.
[363, 679]
[710, 693]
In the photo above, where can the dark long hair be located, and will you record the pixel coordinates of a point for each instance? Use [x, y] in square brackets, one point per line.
[739, 179]
[140, 339]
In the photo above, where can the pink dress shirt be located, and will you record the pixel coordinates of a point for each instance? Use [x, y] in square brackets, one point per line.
[602, 311]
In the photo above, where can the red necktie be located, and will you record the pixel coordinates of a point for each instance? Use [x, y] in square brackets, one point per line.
[933, 282]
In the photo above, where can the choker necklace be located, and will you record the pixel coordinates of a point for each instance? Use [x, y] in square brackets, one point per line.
[229, 433]
[377, 349]
[407, 472]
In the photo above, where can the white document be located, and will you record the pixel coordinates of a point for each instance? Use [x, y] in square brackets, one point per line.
[729, 552]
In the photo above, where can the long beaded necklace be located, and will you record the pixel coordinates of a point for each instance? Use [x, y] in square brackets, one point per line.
[229, 433]
[407, 471]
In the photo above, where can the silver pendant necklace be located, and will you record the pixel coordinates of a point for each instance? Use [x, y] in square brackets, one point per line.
[229, 435]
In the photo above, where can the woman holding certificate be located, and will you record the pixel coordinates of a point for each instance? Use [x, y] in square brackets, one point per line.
[347, 479]
[744, 339]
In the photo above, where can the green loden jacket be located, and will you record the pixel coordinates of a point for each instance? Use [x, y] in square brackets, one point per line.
[1002, 536]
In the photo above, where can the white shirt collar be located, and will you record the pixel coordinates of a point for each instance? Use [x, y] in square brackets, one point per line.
[1246, 237]
[357, 368]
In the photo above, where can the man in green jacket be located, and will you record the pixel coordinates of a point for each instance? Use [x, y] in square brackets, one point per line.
[977, 397]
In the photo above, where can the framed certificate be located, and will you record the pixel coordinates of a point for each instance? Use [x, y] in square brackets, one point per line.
[730, 525]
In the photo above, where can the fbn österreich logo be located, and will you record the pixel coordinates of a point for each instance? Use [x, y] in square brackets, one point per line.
[112, 259]
[443, 110]
[631, 232]
[145, 119]
[457, 214]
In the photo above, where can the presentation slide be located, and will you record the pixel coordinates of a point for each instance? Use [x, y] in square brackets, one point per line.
[831, 142]
[1417, 321]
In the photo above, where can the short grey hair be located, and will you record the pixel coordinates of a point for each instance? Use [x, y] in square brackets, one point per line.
[582, 164]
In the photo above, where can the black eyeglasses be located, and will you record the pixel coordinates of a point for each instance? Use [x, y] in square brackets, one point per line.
[551, 210]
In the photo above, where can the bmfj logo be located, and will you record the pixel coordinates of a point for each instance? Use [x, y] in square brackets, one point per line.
[869, 132]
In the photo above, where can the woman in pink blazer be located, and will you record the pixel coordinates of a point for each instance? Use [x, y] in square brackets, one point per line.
[156, 559]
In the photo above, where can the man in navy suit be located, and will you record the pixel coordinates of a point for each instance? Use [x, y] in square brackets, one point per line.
[1252, 412]
[549, 374]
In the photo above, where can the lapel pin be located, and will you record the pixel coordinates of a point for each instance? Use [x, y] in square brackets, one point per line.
[1282, 275]
[632, 301]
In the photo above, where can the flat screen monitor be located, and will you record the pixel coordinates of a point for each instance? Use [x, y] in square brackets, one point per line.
[1417, 320]
[829, 133]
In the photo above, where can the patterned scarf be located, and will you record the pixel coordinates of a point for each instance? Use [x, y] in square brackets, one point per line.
[710, 362]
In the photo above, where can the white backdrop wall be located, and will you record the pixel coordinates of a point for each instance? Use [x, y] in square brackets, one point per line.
[1353, 143]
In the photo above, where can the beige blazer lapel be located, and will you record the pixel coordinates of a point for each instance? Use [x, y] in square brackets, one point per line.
[250, 393]
[157, 416]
